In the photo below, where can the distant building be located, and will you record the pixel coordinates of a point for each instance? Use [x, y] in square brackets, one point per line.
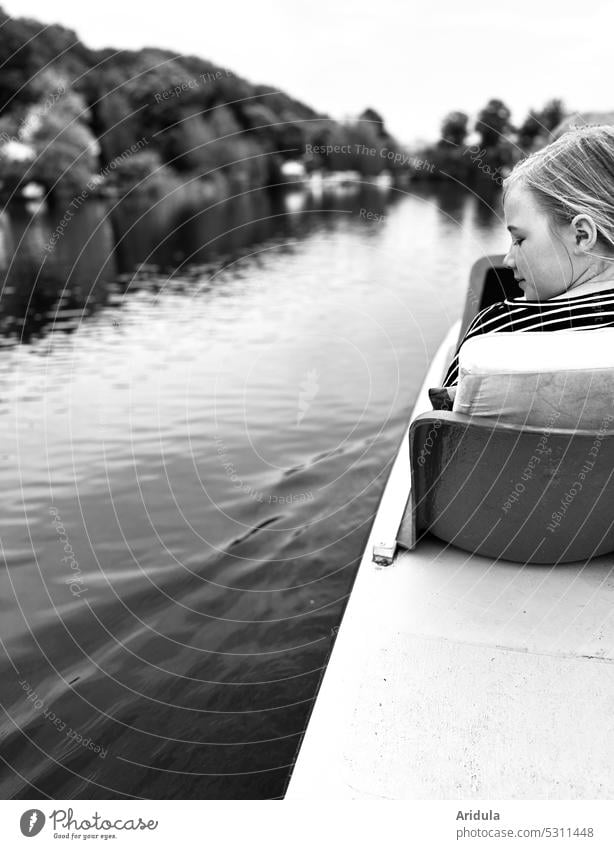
[293, 170]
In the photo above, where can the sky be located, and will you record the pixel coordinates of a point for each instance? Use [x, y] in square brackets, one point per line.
[412, 62]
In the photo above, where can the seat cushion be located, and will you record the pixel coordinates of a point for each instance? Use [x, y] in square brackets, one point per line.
[562, 379]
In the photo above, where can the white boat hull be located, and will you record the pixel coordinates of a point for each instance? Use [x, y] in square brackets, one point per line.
[457, 677]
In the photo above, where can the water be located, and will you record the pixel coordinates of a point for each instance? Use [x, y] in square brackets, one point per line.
[198, 412]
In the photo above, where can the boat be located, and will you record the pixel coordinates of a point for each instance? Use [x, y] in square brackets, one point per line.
[469, 666]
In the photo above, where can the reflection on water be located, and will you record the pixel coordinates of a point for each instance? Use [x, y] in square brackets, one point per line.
[198, 411]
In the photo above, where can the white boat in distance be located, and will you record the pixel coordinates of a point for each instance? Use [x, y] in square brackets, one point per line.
[457, 675]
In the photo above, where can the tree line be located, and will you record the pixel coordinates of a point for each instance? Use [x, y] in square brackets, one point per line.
[68, 113]
[493, 141]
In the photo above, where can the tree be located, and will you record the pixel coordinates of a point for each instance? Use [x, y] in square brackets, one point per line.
[529, 130]
[136, 169]
[375, 120]
[18, 61]
[66, 149]
[493, 123]
[538, 125]
[552, 114]
[454, 128]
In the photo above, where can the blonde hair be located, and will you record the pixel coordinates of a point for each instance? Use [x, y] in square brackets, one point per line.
[573, 175]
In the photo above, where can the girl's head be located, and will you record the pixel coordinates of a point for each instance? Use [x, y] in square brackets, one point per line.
[559, 209]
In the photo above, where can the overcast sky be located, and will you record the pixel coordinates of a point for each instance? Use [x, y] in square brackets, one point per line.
[412, 61]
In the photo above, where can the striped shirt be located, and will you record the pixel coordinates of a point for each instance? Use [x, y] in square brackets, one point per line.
[582, 312]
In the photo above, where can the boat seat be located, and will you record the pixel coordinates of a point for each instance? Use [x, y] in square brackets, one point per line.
[565, 377]
[518, 492]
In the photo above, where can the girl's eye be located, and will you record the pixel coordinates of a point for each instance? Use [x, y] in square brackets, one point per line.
[518, 242]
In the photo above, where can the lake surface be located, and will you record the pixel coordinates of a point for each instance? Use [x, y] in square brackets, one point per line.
[199, 408]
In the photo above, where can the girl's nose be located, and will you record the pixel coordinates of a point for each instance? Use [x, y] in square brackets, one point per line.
[508, 260]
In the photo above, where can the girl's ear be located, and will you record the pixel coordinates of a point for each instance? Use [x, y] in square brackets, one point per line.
[584, 233]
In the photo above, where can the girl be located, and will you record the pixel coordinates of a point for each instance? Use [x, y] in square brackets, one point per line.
[559, 209]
